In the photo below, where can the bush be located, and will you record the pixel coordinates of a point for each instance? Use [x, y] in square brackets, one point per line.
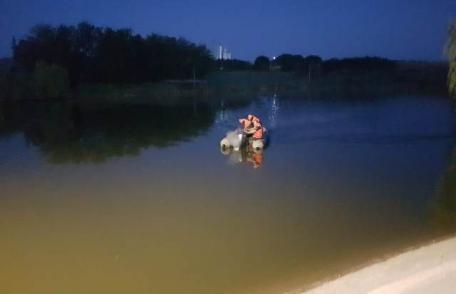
[51, 81]
[262, 63]
[104, 55]
[451, 53]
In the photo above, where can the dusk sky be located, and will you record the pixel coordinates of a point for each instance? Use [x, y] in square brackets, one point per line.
[398, 29]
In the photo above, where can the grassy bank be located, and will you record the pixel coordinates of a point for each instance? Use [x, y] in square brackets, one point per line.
[164, 93]
[46, 82]
[254, 83]
[408, 78]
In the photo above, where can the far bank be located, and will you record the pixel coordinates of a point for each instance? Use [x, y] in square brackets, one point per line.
[408, 78]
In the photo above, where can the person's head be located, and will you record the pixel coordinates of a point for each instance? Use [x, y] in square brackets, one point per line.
[250, 117]
[245, 123]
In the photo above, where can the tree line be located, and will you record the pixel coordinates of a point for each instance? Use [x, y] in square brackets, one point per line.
[95, 54]
[309, 65]
[450, 50]
[299, 63]
[89, 54]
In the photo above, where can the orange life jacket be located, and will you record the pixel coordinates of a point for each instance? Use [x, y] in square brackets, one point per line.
[258, 158]
[258, 134]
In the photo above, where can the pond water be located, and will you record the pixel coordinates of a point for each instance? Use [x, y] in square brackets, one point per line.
[139, 198]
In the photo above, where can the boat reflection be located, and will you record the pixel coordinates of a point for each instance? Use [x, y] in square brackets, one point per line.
[245, 155]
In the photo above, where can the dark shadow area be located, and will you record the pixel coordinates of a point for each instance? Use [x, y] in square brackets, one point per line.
[444, 207]
[75, 132]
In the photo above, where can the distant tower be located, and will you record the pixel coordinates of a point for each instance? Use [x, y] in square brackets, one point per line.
[220, 52]
[226, 54]
[223, 53]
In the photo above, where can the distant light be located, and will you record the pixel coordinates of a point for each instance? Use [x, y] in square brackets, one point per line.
[273, 57]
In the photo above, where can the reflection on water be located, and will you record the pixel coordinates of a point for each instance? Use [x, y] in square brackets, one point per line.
[246, 155]
[91, 133]
[342, 183]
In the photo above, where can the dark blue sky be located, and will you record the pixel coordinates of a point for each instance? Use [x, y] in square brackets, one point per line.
[399, 29]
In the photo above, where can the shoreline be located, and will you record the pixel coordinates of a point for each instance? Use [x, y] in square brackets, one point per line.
[430, 266]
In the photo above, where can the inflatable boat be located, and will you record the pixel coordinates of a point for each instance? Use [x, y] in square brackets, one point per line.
[241, 138]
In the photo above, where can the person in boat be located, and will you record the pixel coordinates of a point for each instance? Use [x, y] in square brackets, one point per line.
[253, 118]
[258, 135]
[258, 128]
[253, 128]
[248, 124]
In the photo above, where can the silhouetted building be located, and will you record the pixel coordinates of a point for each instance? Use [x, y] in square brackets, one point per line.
[223, 53]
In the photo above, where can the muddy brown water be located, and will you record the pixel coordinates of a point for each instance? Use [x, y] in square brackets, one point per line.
[139, 198]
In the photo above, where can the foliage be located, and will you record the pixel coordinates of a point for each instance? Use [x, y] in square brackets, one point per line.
[16, 87]
[233, 65]
[95, 54]
[289, 62]
[358, 64]
[297, 63]
[261, 63]
[51, 81]
[444, 208]
[450, 50]
[313, 64]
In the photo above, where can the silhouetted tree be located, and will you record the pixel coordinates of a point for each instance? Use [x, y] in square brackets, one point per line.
[94, 54]
[312, 66]
[313, 59]
[261, 63]
[358, 64]
[450, 51]
[289, 62]
[50, 81]
[233, 65]
[13, 44]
